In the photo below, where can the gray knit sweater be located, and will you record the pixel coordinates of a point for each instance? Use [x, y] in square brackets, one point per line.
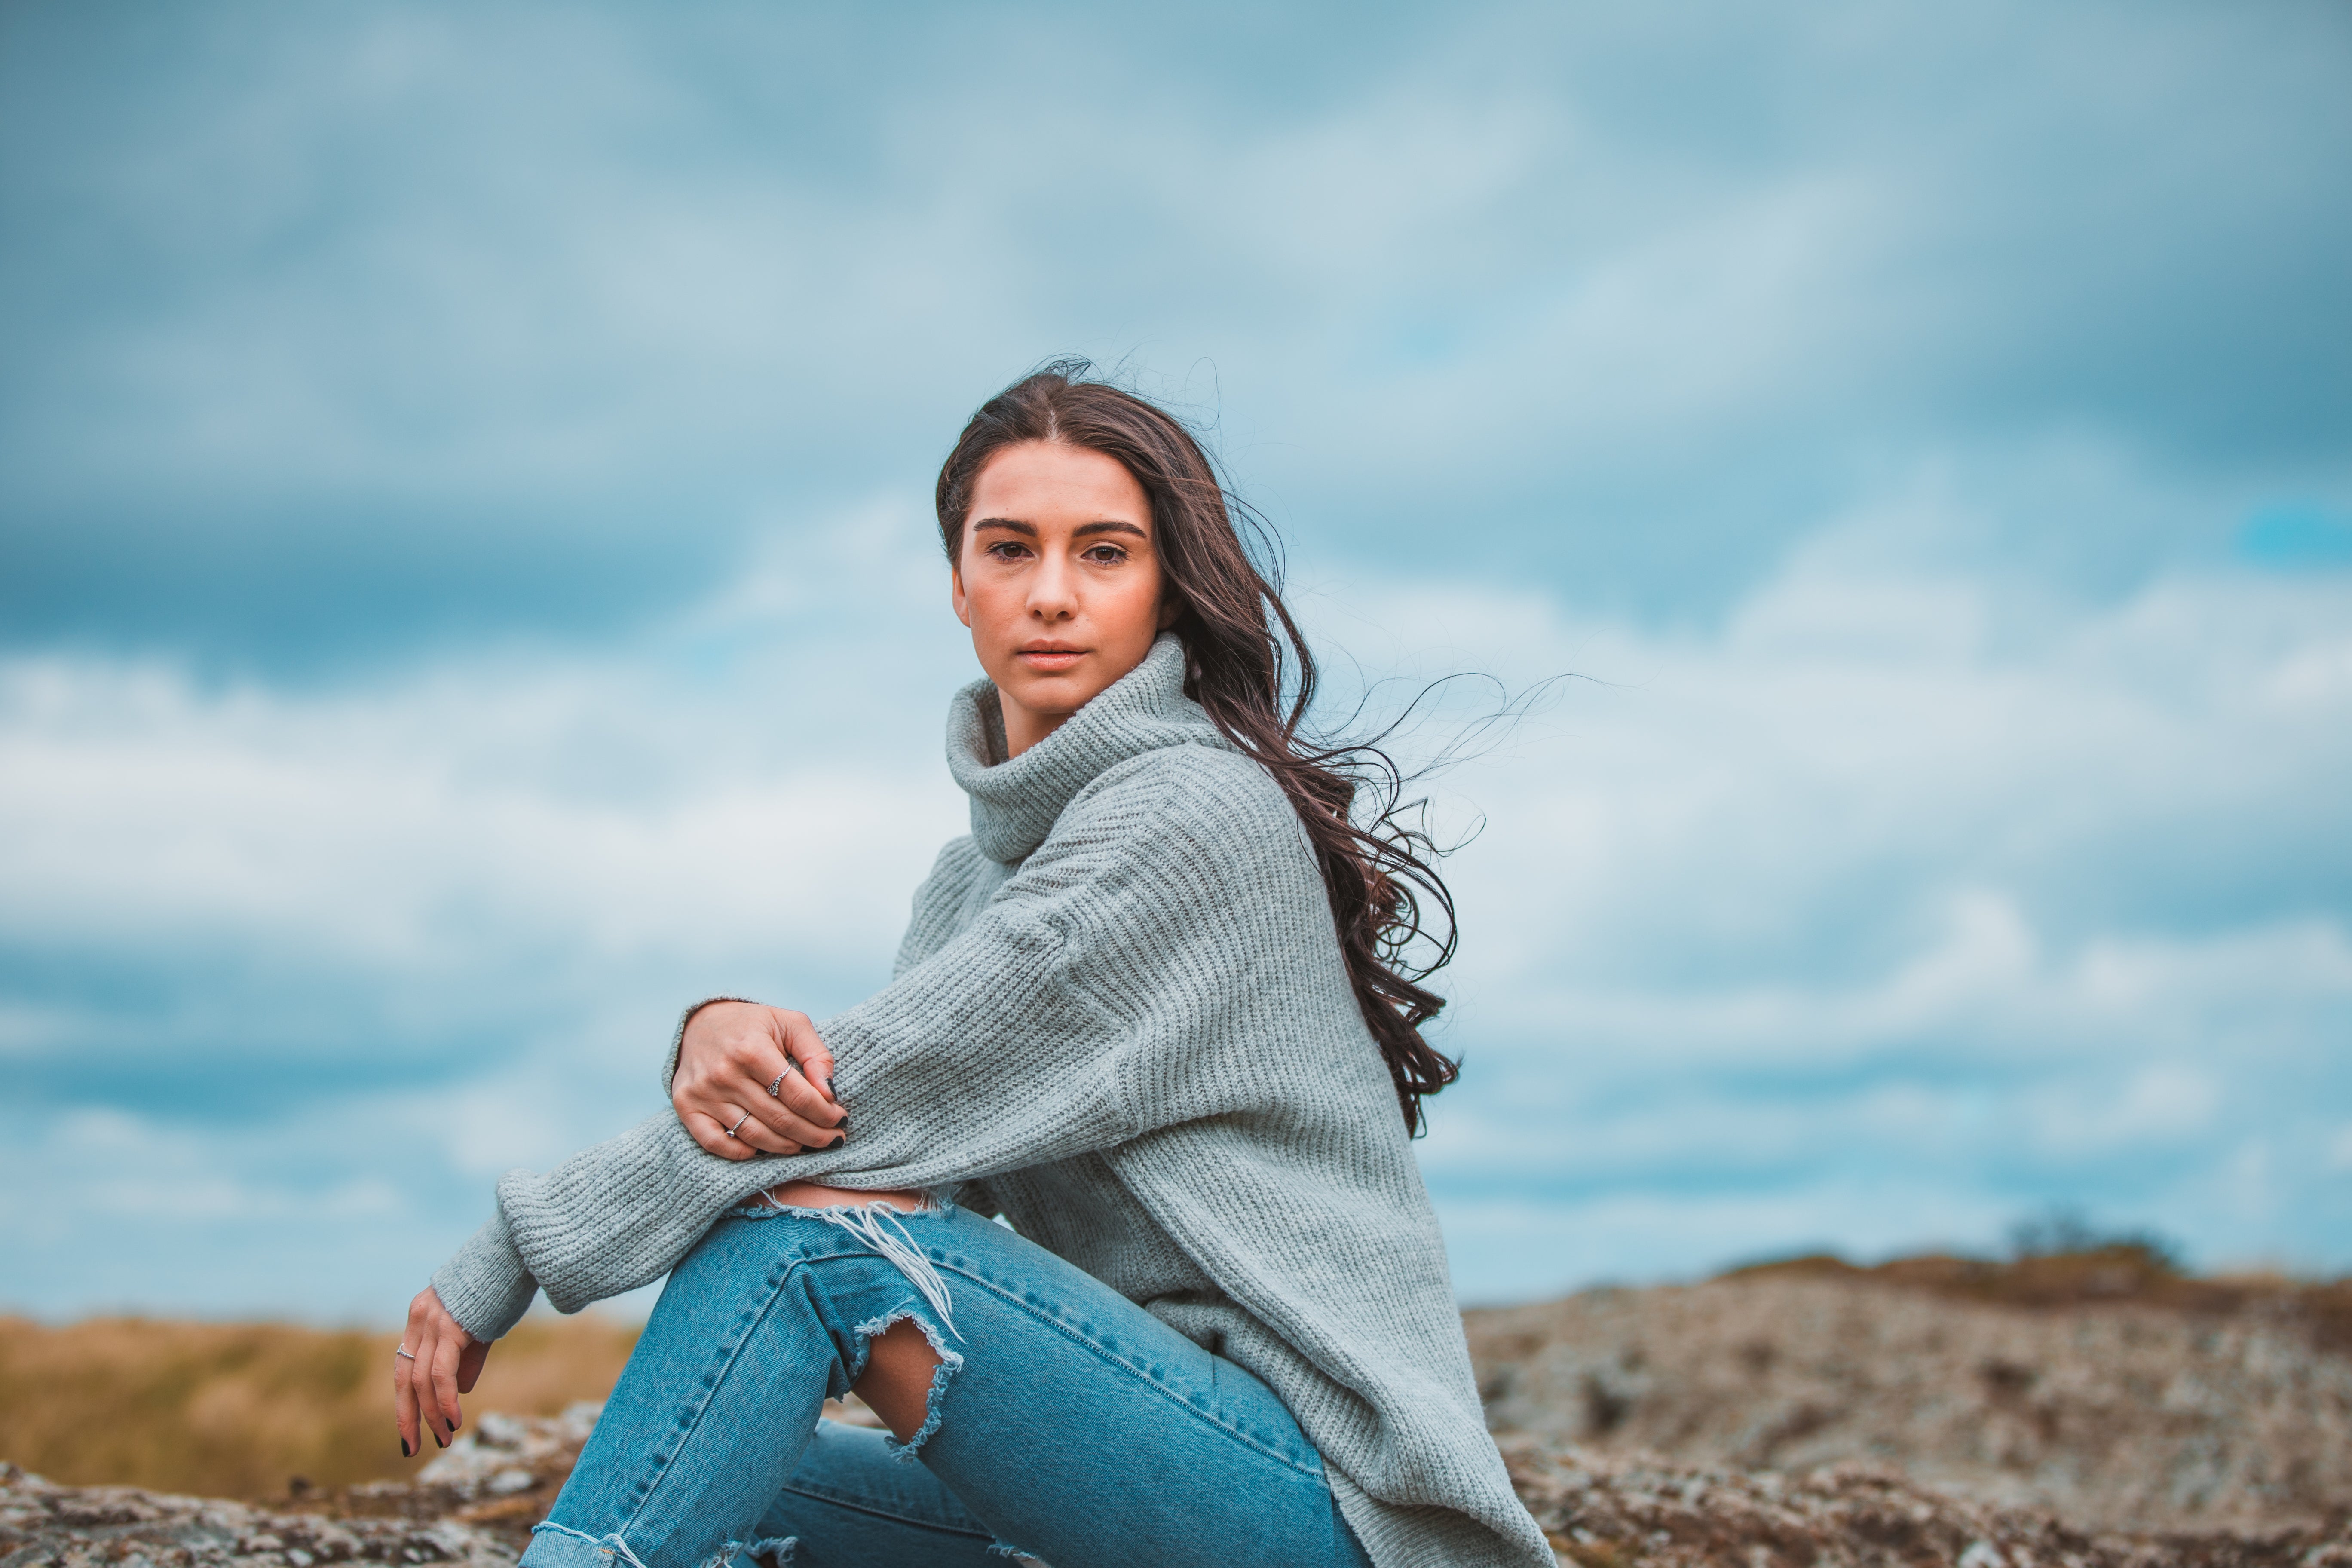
[1121, 1019]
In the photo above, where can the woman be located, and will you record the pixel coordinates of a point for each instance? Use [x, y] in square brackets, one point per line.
[1150, 1012]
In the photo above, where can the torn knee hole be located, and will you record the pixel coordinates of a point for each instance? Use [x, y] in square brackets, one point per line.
[908, 1368]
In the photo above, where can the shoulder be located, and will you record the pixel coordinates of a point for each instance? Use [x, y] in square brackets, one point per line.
[941, 901]
[959, 858]
[958, 867]
[1192, 781]
[1211, 804]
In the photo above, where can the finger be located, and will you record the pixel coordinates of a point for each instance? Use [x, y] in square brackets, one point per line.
[408, 1385]
[784, 1122]
[806, 1104]
[420, 1386]
[421, 1340]
[445, 1383]
[757, 1070]
[711, 1133]
[808, 1052]
[769, 1131]
[726, 1101]
[403, 1405]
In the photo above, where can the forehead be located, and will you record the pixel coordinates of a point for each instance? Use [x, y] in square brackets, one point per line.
[1047, 482]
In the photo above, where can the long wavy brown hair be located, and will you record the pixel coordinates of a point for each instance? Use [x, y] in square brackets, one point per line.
[1249, 667]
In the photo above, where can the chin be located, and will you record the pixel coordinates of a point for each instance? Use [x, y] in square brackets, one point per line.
[1058, 695]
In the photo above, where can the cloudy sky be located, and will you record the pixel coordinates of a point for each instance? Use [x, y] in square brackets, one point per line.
[465, 581]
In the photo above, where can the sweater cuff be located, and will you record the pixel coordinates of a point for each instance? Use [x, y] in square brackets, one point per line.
[677, 1036]
[486, 1286]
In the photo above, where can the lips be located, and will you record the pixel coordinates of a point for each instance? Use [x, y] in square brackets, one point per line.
[1047, 656]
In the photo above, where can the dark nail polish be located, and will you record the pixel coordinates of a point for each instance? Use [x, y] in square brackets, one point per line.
[457, 1422]
[437, 1442]
[838, 1141]
[406, 1452]
[828, 1091]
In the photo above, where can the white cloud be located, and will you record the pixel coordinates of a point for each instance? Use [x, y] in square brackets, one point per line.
[611, 807]
[1856, 883]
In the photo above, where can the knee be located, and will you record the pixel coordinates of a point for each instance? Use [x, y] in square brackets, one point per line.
[900, 1365]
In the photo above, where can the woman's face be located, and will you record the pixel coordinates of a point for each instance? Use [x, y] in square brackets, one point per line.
[1058, 580]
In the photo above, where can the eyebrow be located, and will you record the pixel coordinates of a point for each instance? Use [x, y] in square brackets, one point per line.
[1029, 530]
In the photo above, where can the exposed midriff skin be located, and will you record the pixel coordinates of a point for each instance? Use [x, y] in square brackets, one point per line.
[817, 1196]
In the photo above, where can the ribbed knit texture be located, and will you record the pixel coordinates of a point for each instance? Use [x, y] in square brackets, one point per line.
[1121, 1018]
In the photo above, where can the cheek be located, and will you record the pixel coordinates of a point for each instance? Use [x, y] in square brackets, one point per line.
[985, 598]
[1142, 603]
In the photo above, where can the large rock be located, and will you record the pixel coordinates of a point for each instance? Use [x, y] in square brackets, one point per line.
[2124, 1415]
[1618, 1511]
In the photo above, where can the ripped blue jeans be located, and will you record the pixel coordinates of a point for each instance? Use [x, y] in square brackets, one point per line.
[1064, 1423]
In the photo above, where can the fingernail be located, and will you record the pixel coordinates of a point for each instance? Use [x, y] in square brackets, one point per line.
[457, 1422]
[838, 1141]
[437, 1442]
[406, 1452]
[828, 1089]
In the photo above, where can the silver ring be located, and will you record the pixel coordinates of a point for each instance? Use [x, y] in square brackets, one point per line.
[739, 1122]
[406, 1352]
[776, 1089]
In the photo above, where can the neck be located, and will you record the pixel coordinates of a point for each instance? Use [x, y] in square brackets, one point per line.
[1025, 727]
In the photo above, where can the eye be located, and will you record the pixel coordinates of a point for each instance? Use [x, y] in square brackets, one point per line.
[1106, 555]
[1006, 549]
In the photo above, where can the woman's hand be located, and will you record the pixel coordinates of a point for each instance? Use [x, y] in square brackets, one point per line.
[755, 1081]
[442, 1361]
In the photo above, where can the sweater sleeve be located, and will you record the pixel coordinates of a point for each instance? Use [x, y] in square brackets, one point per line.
[1055, 1024]
[485, 1285]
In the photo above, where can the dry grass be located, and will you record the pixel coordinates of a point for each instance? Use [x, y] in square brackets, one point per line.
[239, 1409]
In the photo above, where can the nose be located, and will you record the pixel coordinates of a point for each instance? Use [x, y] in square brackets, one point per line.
[1053, 590]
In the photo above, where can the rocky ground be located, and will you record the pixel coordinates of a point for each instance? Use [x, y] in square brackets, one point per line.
[122, 1527]
[473, 1506]
[476, 1505]
[1788, 1418]
[2130, 1412]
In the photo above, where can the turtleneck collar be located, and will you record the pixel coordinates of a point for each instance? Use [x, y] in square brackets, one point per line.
[1015, 804]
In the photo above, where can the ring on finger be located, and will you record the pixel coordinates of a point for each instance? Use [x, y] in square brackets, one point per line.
[776, 1089]
[739, 1123]
[404, 1350]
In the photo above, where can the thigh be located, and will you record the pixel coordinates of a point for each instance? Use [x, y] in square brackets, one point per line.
[1083, 1430]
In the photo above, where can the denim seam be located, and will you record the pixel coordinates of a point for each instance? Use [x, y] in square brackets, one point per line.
[1320, 1472]
[780, 1547]
[879, 1510]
